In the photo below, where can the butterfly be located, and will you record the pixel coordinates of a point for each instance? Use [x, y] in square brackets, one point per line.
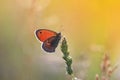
[49, 38]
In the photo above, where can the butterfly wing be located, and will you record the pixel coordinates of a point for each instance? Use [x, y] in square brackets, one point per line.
[44, 34]
[50, 44]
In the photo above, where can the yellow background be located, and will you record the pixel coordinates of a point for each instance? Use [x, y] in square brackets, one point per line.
[91, 27]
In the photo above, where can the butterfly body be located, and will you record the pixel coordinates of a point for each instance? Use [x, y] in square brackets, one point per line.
[49, 38]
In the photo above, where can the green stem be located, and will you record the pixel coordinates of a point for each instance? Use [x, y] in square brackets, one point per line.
[66, 57]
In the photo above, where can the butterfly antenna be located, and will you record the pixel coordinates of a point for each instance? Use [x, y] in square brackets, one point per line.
[61, 28]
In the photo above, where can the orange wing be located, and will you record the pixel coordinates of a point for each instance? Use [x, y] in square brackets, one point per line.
[44, 34]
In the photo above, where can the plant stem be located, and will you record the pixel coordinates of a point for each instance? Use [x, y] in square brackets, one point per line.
[66, 57]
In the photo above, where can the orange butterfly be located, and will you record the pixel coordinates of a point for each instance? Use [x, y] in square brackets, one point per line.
[49, 38]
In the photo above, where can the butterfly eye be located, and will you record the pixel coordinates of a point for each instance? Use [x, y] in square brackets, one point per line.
[40, 32]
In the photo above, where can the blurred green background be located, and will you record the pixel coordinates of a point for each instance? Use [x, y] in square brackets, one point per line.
[91, 27]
